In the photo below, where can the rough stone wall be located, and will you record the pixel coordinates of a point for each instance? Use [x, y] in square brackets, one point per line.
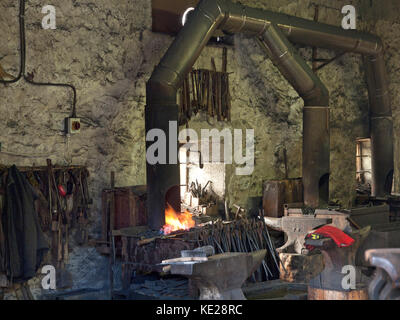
[107, 50]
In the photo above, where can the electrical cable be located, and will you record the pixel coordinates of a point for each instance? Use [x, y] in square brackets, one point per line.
[73, 113]
[21, 36]
[23, 62]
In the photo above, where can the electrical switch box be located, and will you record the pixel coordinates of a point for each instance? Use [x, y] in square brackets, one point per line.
[72, 125]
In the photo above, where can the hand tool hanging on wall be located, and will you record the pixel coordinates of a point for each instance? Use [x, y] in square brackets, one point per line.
[61, 202]
[83, 218]
[197, 191]
[206, 91]
[225, 82]
[41, 204]
[214, 86]
[58, 219]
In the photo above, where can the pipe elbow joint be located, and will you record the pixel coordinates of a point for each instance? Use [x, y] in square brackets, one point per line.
[168, 75]
[214, 9]
[160, 91]
[318, 97]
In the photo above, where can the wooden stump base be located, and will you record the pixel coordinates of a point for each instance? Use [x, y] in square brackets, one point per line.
[300, 268]
[322, 294]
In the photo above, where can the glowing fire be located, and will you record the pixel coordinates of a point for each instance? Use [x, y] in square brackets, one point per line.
[177, 221]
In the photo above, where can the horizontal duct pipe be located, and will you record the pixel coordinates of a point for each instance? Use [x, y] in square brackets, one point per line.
[229, 17]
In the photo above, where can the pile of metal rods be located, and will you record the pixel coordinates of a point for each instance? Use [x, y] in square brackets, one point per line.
[242, 235]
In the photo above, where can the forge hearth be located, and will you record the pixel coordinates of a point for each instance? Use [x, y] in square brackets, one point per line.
[176, 221]
[144, 251]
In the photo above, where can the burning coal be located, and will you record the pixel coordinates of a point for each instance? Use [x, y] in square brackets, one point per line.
[175, 221]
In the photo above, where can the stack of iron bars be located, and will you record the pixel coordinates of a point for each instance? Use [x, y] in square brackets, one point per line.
[243, 235]
[239, 235]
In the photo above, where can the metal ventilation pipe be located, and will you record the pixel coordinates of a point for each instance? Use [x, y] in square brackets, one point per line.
[316, 134]
[381, 126]
[229, 17]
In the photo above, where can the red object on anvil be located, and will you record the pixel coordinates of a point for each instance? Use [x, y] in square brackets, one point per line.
[338, 236]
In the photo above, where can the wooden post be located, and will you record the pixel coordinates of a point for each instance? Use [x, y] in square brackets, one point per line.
[110, 234]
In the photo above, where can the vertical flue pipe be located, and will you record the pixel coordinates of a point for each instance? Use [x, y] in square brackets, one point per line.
[316, 146]
[161, 106]
[381, 126]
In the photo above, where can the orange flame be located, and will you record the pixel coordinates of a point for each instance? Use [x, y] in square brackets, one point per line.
[177, 221]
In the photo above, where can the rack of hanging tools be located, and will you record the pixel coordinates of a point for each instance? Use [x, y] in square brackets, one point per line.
[206, 91]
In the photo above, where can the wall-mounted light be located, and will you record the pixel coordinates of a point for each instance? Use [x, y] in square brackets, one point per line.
[185, 15]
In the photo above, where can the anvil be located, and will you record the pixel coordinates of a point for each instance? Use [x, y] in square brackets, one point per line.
[386, 283]
[296, 229]
[335, 258]
[222, 276]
